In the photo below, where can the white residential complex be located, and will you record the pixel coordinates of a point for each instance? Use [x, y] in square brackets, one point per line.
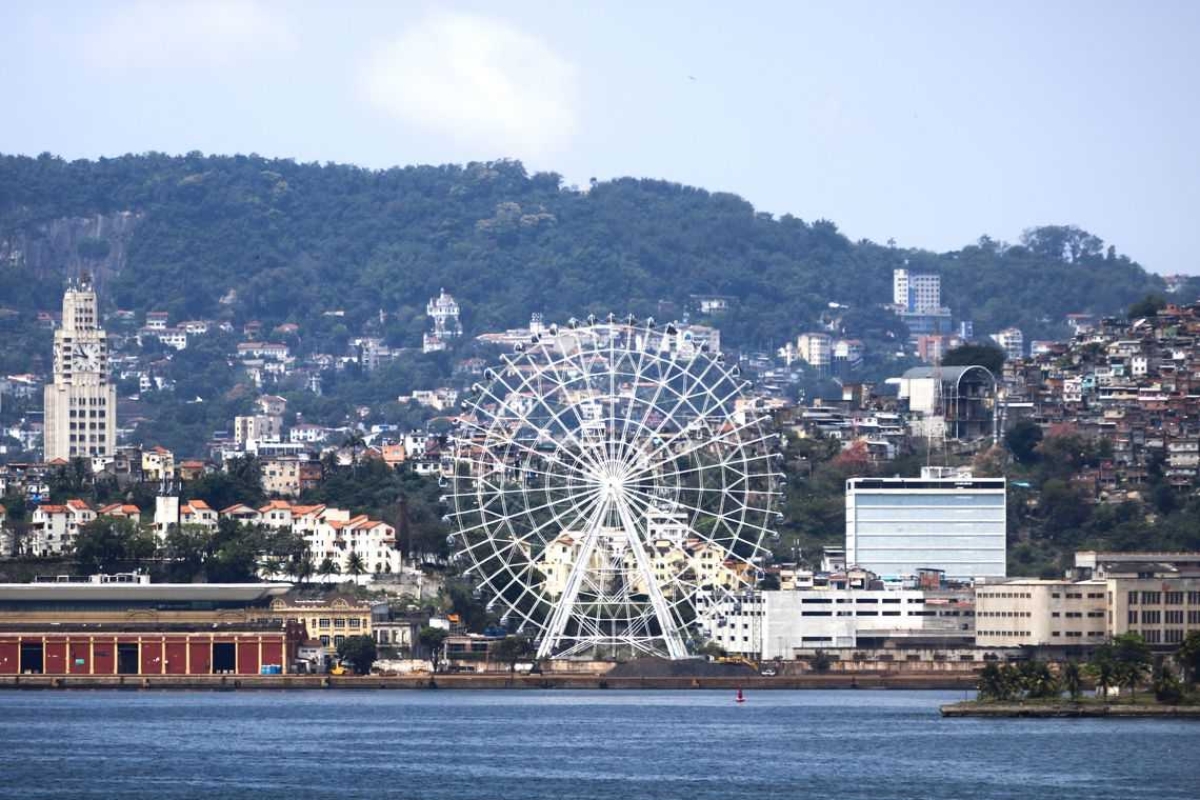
[332, 533]
[955, 523]
[80, 403]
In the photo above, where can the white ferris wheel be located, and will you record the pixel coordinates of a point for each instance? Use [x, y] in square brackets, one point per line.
[611, 482]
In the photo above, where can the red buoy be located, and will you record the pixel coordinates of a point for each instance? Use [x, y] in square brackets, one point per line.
[740, 697]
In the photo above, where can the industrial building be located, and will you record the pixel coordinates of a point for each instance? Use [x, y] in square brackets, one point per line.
[143, 629]
[943, 520]
[964, 398]
[786, 625]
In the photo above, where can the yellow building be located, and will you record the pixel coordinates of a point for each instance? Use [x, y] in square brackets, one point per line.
[330, 620]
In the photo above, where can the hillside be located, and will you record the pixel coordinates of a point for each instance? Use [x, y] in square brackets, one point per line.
[279, 241]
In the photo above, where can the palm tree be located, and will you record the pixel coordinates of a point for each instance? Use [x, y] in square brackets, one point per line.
[356, 443]
[1104, 671]
[1072, 679]
[1167, 688]
[355, 566]
[1188, 657]
[328, 568]
[304, 567]
[1039, 681]
[1133, 659]
[993, 683]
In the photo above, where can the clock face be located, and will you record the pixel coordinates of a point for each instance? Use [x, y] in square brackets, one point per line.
[87, 357]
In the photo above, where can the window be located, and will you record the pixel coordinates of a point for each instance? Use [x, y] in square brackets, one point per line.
[1173, 598]
[1173, 617]
[340, 622]
[1133, 617]
[1151, 617]
[325, 640]
[356, 623]
[1153, 637]
[1133, 596]
[323, 623]
[337, 640]
[1151, 598]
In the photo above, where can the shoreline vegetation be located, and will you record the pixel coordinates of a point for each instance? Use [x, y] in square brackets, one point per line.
[1056, 710]
[1117, 670]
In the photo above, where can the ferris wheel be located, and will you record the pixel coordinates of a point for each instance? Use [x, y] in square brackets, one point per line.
[611, 481]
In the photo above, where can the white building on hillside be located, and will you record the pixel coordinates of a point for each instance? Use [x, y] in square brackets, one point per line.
[917, 292]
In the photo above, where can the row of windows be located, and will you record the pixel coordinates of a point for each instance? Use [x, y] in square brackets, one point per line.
[1076, 634]
[1169, 636]
[88, 401]
[339, 622]
[1005, 614]
[1004, 633]
[88, 413]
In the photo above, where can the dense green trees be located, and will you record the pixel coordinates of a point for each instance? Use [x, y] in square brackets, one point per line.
[358, 651]
[983, 355]
[285, 242]
[107, 543]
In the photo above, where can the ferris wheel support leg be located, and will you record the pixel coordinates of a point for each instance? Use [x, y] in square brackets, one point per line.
[666, 620]
[566, 603]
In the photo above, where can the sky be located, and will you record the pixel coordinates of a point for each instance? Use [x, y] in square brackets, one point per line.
[930, 123]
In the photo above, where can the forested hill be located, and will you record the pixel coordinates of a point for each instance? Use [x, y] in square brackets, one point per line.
[281, 241]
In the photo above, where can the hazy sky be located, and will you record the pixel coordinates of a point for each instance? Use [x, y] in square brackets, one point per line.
[931, 123]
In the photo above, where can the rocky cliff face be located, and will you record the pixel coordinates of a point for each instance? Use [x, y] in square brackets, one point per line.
[68, 246]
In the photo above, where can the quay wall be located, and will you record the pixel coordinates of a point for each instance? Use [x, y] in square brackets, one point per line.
[488, 681]
[1060, 710]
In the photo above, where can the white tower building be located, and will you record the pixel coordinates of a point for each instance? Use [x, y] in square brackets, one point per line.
[80, 403]
[919, 292]
[446, 325]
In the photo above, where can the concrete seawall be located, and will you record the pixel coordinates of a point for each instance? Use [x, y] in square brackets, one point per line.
[1061, 710]
[481, 681]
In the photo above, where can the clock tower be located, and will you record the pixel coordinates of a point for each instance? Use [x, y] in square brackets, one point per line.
[81, 403]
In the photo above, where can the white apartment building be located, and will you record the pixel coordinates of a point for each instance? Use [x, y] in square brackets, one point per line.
[918, 292]
[952, 522]
[816, 349]
[1011, 341]
[256, 428]
[55, 528]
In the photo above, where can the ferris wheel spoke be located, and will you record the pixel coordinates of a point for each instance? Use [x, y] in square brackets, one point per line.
[719, 439]
[681, 397]
[561, 386]
[501, 516]
[519, 417]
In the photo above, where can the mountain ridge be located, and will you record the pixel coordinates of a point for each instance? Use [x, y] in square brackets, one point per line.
[289, 241]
